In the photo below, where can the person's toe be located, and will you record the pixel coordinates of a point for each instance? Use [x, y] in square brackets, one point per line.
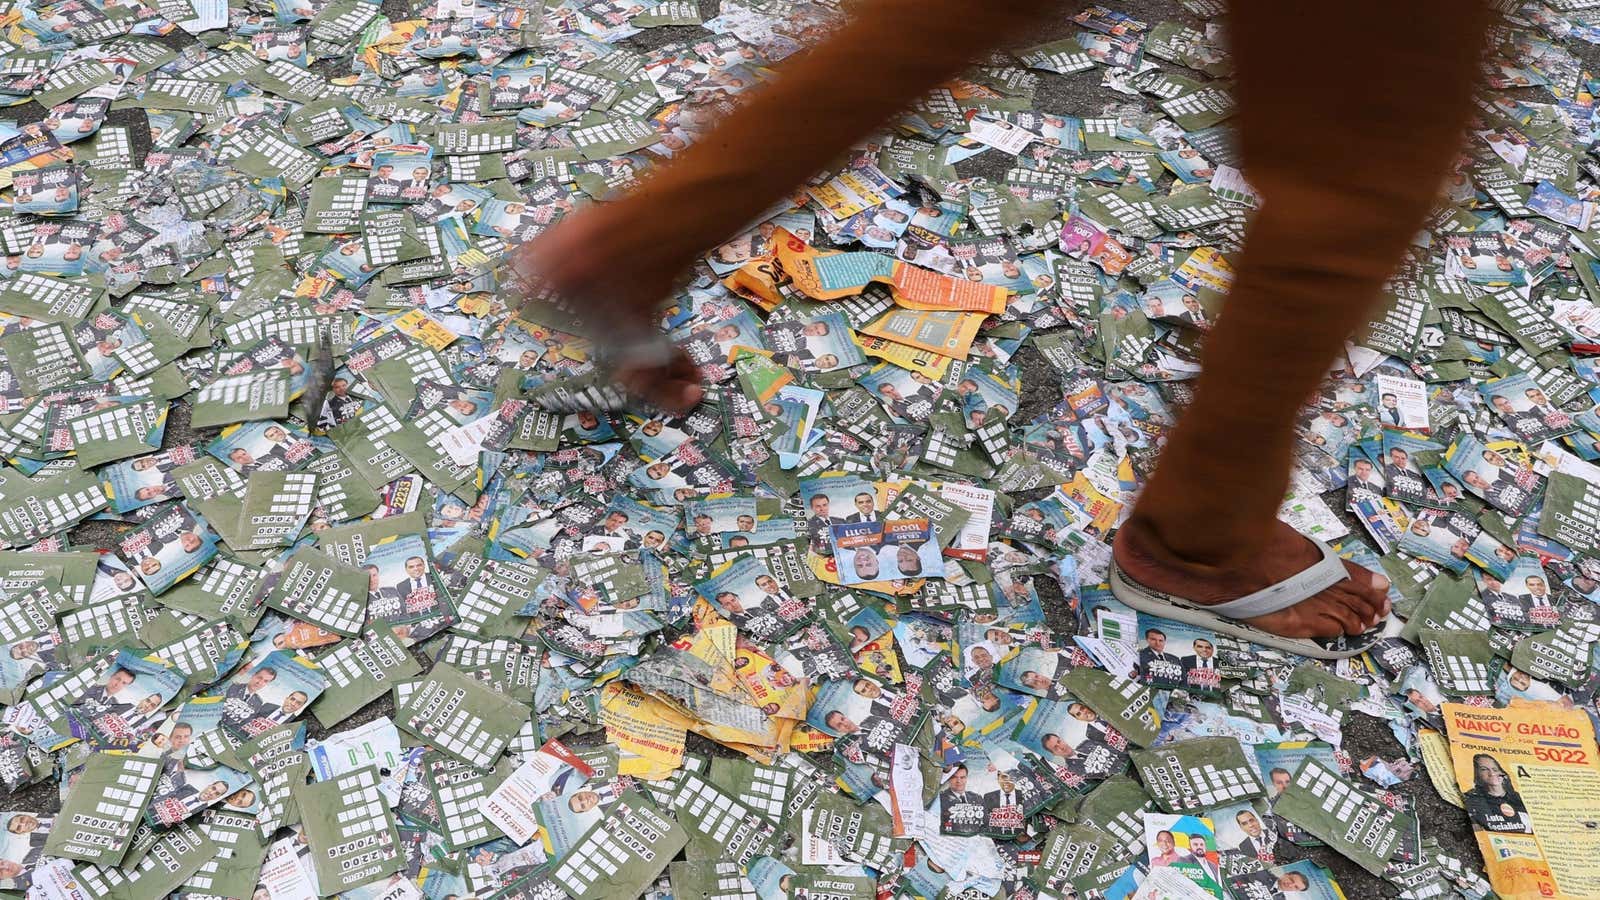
[1380, 587]
[1362, 612]
[1362, 589]
[1344, 615]
[1376, 590]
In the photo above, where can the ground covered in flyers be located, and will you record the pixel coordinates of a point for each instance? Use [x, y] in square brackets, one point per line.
[843, 630]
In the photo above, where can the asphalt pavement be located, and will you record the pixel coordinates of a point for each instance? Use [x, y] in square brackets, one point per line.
[1080, 94]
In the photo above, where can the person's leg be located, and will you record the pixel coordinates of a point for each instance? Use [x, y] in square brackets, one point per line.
[619, 260]
[1349, 115]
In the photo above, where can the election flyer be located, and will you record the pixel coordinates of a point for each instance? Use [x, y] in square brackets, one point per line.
[1529, 775]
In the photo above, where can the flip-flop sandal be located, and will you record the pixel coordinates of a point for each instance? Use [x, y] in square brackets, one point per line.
[1226, 618]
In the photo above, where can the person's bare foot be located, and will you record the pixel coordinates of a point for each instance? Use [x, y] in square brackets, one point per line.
[673, 387]
[616, 277]
[1350, 607]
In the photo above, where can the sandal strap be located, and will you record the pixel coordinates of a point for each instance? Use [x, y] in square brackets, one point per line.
[1326, 573]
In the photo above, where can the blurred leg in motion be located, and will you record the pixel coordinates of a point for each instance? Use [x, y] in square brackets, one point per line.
[1348, 135]
[621, 259]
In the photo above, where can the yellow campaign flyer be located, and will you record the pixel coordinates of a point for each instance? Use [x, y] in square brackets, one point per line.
[424, 328]
[931, 364]
[1206, 267]
[1529, 775]
[946, 333]
[1441, 771]
[649, 733]
[853, 191]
